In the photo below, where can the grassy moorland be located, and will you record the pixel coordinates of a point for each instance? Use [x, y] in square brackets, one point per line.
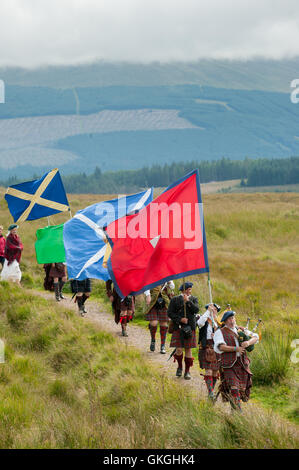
[57, 388]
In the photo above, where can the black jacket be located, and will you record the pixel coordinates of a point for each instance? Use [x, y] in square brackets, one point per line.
[176, 310]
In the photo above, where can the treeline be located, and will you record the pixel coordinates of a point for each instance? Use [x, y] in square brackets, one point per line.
[259, 172]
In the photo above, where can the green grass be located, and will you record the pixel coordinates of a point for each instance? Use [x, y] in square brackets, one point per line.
[62, 376]
[81, 388]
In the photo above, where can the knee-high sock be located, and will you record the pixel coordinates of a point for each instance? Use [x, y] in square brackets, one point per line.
[214, 381]
[188, 363]
[209, 383]
[79, 302]
[163, 332]
[153, 330]
[179, 359]
[236, 400]
[61, 284]
[56, 290]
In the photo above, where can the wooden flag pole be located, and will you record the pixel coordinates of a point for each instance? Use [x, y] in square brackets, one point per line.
[185, 313]
[210, 290]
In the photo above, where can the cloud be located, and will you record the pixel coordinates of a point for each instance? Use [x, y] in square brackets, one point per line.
[62, 32]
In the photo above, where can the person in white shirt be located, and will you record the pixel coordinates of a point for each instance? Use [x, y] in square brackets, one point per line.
[235, 374]
[208, 359]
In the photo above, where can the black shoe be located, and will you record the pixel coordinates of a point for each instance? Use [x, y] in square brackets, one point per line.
[124, 333]
[187, 376]
[179, 372]
[153, 346]
[61, 296]
[163, 350]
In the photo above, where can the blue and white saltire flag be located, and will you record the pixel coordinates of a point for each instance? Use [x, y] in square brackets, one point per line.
[38, 198]
[84, 239]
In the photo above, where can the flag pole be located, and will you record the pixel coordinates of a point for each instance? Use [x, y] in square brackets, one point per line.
[210, 289]
[185, 313]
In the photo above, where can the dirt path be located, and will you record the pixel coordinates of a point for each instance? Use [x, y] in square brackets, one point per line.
[138, 338]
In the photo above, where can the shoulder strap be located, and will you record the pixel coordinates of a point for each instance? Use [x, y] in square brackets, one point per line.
[232, 332]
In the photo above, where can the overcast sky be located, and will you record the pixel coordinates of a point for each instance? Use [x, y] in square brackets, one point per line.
[42, 32]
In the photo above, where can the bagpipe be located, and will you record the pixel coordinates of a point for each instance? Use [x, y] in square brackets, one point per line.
[246, 335]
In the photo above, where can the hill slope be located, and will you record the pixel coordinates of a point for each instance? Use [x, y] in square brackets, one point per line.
[129, 127]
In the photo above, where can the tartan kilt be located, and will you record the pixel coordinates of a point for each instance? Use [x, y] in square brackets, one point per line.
[188, 343]
[159, 315]
[203, 363]
[80, 286]
[127, 304]
[237, 377]
[58, 270]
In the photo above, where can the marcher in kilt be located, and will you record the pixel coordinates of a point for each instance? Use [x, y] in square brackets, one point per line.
[2, 246]
[123, 309]
[157, 300]
[81, 289]
[184, 321]
[12, 253]
[235, 374]
[208, 359]
[55, 278]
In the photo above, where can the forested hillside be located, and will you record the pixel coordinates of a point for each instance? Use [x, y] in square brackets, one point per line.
[131, 127]
[252, 173]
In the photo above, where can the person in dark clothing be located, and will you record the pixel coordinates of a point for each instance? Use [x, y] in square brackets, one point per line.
[2, 246]
[182, 311]
[123, 309]
[81, 289]
[55, 278]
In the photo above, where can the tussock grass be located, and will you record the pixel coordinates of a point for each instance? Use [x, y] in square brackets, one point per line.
[67, 384]
[271, 361]
[82, 389]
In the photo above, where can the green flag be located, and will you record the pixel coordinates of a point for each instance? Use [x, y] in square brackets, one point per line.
[49, 247]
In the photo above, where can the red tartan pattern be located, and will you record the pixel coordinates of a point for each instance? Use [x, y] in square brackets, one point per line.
[229, 358]
[237, 377]
[203, 363]
[188, 343]
[159, 315]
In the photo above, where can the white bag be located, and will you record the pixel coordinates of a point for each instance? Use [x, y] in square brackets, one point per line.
[11, 272]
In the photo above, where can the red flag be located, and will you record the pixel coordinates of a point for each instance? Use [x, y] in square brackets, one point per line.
[165, 240]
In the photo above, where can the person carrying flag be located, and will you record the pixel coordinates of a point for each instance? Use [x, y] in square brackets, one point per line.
[81, 289]
[182, 311]
[235, 373]
[208, 359]
[12, 254]
[157, 300]
[55, 278]
[123, 309]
